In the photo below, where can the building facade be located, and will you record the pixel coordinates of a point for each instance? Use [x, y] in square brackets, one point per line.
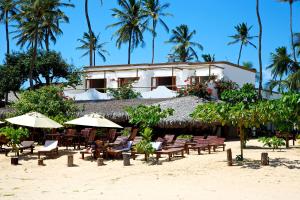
[146, 77]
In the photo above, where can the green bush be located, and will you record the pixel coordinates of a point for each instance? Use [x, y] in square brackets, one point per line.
[145, 146]
[199, 90]
[14, 136]
[273, 142]
[48, 100]
[125, 132]
[187, 137]
[124, 92]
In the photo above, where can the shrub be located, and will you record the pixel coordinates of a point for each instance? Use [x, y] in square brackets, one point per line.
[49, 101]
[187, 137]
[145, 146]
[199, 90]
[125, 132]
[14, 136]
[273, 142]
[223, 85]
[246, 94]
[124, 92]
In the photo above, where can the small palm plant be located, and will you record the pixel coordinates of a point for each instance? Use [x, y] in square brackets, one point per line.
[243, 36]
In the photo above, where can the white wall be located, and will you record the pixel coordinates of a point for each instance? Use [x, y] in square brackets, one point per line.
[238, 75]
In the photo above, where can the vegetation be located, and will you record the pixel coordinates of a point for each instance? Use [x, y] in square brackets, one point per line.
[132, 23]
[208, 57]
[147, 116]
[14, 136]
[246, 94]
[223, 85]
[124, 92]
[155, 11]
[187, 137]
[145, 146]
[273, 142]
[182, 39]
[97, 47]
[49, 101]
[125, 132]
[243, 36]
[199, 90]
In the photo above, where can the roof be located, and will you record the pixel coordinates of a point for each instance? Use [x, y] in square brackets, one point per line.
[88, 68]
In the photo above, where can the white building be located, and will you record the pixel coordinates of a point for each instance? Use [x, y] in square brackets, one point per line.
[146, 77]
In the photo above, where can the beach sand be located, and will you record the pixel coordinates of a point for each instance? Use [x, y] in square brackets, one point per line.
[193, 177]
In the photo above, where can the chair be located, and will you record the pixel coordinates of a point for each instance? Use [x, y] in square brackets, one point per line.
[170, 152]
[90, 137]
[24, 145]
[50, 146]
[201, 144]
[217, 142]
[196, 137]
[120, 140]
[133, 134]
[69, 138]
[137, 140]
[178, 143]
[167, 139]
[94, 150]
[116, 152]
[112, 133]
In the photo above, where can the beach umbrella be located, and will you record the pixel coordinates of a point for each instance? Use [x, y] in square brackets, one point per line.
[1, 122]
[94, 120]
[34, 120]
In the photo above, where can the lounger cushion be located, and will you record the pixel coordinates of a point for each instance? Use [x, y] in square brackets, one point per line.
[156, 145]
[49, 145]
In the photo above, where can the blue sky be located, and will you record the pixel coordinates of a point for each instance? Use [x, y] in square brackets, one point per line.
[214, 21]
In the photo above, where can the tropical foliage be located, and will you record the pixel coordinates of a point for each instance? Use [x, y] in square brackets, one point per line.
[124, 92]
[273, 142]
[243, 37]
[48, 100]
[184, 46]
[246, 94]
[199, 90]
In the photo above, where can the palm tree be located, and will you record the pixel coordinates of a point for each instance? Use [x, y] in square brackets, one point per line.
[208, 57]
[30, 29]
[97, 47]
[183, 49]
[291, 83]
[297, 42]
[243, 36]
[259, 50]
[53, 19]
[291, 25]
[282, 64]
[7, 11]
[154, 9]
[131, 24]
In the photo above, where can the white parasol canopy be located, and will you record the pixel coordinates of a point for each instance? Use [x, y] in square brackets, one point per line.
[1, 122]
[94, 120]
[34, 120]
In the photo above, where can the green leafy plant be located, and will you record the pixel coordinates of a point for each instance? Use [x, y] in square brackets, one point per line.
[224, 85]
[273, 142]
[147, 116]
[125, 132]
[199, 90]
[48, 100]
[124, 92]
[14, 136]
[246, 94]
[187, 137]
[145, 146]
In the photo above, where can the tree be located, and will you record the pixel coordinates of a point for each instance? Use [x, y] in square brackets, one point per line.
[52, 20]
[49, 101]
[297, 43]
[7, 11]
[247, 94]
[291, 25]
[259, 49]
[155, 11]
[132, 23]
[243, 36]
[97, 47]
[248, 64]
[208, 57]
[124, 92]
[182, 39]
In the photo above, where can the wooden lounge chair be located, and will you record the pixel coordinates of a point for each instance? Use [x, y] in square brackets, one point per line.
[50, 146]
[96, 150]
[167, 139]
[24, 145]
[178, 143]
[111, 136]
[120, 140]
[133, 134]
[137, 140]
[201, 144]
[216, 143]
[197, 137]
[170, 152]
[116, 152]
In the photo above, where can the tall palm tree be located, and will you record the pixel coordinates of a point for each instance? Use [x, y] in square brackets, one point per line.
[259, 50]
[8, 10]
[282, 64]
[53, 19]
[291, 2]
[97, 47]
[155, 11]
[131, 24]
[297, 43]
[182, 38]
[208, 57]
[30, 29]
[243, 36]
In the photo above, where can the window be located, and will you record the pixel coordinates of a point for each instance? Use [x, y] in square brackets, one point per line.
[168, 81]
[124, 81]
[99, 84]
[194, 80]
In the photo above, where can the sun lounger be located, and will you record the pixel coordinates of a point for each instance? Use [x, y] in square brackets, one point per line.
[136, 140]
[170, 152]
[49, 147]
[24, 145]
[96, 150]
[167, 139]
[120, 140]
[117, 151]
[217, 142]
[200, 144]
[178, 143]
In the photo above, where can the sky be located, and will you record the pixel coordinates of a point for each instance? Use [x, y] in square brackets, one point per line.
[213, 20]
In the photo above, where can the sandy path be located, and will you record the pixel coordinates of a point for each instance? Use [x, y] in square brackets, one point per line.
[194, 177]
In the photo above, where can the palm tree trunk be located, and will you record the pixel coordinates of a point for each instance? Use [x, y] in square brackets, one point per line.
[242, 141]
[47, 40]
[259, 50]
[240, 53]
[33, 59]
[291, 30]
[153, 40]
[94, 57]
[129, 47]
[90, 31]
[7, 33]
